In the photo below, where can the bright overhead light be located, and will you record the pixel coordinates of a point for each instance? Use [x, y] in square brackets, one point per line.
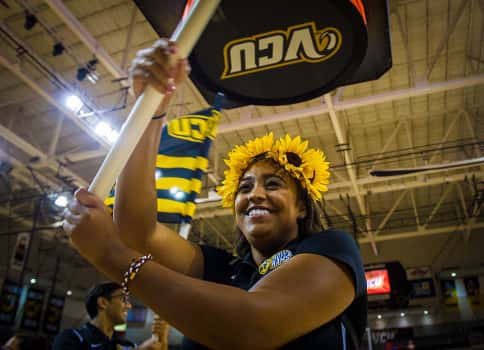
[426, 312]
[103, 129]
[402, 314]
[61, 201]
[93, 77]
[453, 274]
[69, 292]
[112, 136]
[74, 103]
[177, 193]
[33, 280]
[174, 190]
[379, 317]
[180, 195]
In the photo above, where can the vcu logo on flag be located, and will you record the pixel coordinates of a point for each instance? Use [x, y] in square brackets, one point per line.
[279, 48]
[194, 128]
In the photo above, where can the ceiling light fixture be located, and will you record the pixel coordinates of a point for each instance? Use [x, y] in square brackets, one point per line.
[58, 49]
[177, 193]
[30, 20]
[61, 201]
[103, 129]
[82, 73]
[93, 77]
[180, 196]
[112, 136]
[91, 65]
[88, 71]
[74, 103]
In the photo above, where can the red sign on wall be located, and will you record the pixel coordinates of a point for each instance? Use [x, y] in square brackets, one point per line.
[377, 282]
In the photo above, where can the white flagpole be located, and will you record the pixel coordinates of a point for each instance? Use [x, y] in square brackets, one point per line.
[184, 230]
[186, 35]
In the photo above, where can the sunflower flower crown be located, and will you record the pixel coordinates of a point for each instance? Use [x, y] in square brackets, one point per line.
[308, 166]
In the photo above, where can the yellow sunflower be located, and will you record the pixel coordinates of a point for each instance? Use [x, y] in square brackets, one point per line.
[239, 159]
[308, 166]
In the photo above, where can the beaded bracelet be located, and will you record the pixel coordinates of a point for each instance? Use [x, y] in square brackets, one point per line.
[162, 115]
[134, 267]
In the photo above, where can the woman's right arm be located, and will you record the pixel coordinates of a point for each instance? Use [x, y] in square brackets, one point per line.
[135, 209]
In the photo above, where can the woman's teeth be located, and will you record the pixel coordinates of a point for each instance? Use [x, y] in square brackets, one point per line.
[258, 212]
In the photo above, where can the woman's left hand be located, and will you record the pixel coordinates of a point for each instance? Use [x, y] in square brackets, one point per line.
[90, 226]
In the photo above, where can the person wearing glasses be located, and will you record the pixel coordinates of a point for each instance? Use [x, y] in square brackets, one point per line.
[107, 307]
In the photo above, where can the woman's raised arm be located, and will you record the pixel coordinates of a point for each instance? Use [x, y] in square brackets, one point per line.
[135, 210]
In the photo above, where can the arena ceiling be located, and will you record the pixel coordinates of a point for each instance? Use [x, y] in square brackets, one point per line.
[427, 110]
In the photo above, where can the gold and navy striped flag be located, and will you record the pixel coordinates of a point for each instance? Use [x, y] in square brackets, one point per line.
[181, 162]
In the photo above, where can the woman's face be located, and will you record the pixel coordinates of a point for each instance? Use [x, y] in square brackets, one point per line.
[267, 207]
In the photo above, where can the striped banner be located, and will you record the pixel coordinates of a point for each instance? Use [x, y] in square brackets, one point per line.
[181, 162]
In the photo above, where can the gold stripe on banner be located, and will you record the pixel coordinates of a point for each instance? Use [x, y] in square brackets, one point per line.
[109, 201]
[192, 163]
[185, 185]
[174, 207]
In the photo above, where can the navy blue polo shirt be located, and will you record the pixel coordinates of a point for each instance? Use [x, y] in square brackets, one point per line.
[89, 337]
[338, 334]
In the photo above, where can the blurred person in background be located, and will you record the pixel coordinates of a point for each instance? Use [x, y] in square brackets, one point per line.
[107, 307]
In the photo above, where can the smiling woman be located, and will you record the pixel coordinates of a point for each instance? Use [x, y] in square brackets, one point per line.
[267, 209]
[302, 171]
[292, 285]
